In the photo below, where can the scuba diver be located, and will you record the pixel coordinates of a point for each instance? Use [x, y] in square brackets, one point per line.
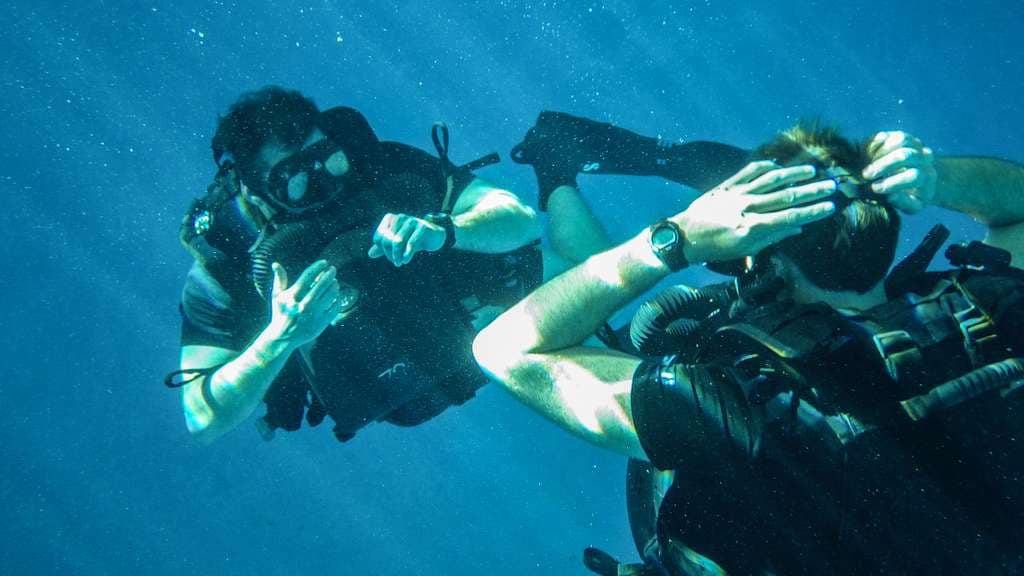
[395, 256]
[818, 414]
[394, 253]
[340, 275]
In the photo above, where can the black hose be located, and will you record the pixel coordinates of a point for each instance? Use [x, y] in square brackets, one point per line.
[287, 241]
[676, 313]
[971, 385]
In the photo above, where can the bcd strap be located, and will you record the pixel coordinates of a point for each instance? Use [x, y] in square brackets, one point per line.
[916, 262]
[899, 352]
[481, 162]
[902, 355]
[177, 378]
[440, 135]
[979, 330]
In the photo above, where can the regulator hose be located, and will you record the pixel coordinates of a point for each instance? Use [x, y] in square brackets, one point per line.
[661, 324]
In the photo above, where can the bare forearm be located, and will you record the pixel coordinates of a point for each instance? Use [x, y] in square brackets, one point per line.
[990, 190]
[533, 349]
[498, 223]
[220, 402]
[568, 309]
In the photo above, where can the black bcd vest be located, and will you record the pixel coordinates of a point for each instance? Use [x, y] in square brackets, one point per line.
[895, 441]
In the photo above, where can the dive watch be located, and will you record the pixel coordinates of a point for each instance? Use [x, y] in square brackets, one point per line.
[668, 241]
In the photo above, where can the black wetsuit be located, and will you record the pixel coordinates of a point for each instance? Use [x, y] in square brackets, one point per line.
[759, 493]
[406, 353]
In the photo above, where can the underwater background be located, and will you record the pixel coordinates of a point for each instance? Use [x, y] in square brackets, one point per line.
[107, 109]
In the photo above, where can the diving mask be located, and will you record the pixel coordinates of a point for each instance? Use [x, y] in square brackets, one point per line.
[308, 179]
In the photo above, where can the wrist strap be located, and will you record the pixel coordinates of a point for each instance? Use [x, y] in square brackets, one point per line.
[179, 378]
[444, 220]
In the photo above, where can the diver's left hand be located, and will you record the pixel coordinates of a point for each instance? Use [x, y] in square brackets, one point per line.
[903, 169]
[399, 237]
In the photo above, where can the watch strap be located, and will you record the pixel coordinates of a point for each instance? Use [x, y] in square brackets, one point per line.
[444, 220]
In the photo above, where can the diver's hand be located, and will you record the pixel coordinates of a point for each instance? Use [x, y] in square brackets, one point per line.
[301, 312]
[399, 237]
[760, 205]
[903, 169]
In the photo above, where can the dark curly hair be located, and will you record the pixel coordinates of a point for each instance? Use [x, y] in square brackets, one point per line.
[269, 114]
[854, 248]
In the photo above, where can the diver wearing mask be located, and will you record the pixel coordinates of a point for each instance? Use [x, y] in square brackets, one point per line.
[396, 255]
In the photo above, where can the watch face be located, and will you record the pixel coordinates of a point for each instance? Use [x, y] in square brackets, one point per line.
[664, 237]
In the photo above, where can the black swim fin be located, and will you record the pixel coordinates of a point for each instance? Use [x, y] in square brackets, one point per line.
[560, 146]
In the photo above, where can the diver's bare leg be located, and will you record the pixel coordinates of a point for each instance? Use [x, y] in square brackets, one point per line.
[574, 234]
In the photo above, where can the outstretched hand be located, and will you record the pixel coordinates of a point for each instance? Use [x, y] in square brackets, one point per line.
[399, 237]
[903, 169]
[302, 311]
[760, 205]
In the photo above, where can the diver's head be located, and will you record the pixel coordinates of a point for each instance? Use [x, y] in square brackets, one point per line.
[270, 114]
[284, 160]
[853, 249]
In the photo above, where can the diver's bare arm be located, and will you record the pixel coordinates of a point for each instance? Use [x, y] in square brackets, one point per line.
[574, 233]
[533, 348]
[218, 403]
[990, 190]
[534, 351]
[492, 220]
[300, 312]
[567, 310]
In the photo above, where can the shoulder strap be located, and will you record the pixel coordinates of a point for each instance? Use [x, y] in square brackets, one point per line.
[787, 330]
[439, 134]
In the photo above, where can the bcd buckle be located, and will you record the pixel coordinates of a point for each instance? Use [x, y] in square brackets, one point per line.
[979, 333]
[899, 352]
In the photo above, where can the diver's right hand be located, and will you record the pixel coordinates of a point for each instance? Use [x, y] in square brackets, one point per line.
[760, 205]
[302, 311]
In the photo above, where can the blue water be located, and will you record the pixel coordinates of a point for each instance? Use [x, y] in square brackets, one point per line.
[107, 110]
